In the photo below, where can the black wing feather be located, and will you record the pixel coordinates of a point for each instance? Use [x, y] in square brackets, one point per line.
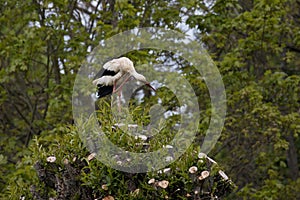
[104, 72]
[103, 90]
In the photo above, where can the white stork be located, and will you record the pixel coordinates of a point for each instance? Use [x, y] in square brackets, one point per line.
[112, 72]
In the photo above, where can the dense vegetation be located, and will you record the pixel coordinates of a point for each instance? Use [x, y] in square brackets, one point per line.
[255, 44]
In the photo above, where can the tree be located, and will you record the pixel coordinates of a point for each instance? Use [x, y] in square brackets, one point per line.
[254, 43]
[256, 46]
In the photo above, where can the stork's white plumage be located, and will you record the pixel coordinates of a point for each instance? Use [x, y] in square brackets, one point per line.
[112, 72]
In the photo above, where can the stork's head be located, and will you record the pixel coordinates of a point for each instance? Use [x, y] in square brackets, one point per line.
[142, 78]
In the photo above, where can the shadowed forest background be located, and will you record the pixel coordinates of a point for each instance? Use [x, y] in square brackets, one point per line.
[254, 43]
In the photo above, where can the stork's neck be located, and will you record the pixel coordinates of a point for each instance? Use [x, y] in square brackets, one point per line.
[139, 77]
[134, 73]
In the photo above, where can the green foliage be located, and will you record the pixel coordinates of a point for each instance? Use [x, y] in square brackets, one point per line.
[255, 45]
[252, 42]
[97, 180]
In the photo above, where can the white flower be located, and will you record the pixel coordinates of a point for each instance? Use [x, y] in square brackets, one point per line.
[51, 159]
[133, 126]
[202, 155]
[91, 156]
[169, 158]
[224, 176]
[193, 169]
[104, 187]
[119, 162]
[151, 181]
[142, 137]
[108, 198]
[135, 192]
[66, 161]
[204, 175]
[163, 184]
[166, 170]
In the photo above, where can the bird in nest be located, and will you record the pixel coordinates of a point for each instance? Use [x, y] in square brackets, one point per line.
[117, 72]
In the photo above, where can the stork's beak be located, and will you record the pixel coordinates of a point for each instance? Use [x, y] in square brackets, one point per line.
[150, 86]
